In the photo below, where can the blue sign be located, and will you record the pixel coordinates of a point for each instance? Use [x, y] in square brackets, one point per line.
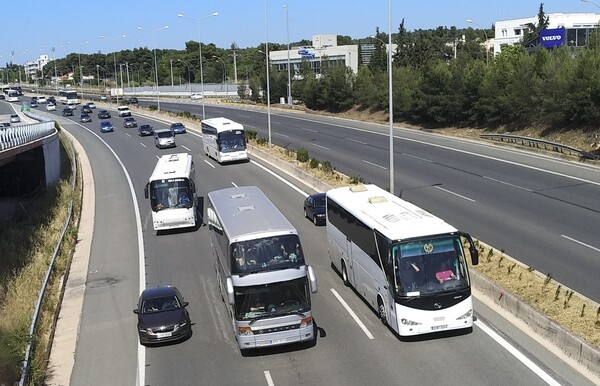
[551, 38]
[306, 54]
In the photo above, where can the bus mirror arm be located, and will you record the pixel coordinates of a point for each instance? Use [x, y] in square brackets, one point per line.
[230, 292]
[146, 191]
[312, 279]
[472, 249]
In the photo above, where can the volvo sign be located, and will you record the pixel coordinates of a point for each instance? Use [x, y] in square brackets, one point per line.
[551, 38]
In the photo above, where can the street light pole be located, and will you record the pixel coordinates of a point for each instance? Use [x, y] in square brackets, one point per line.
[224, 74]
[189, 77]
[487, 52]
[155, 62]
[267, 61]
[391, 104]
[200, 51]
[115, 63]
[171, 60]
[287, 27]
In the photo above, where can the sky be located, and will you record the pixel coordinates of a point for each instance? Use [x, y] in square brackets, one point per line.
[76, 27]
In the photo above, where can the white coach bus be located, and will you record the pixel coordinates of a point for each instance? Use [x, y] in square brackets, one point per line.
[172, 192]
[260, 269]
[406, 263]
[224, 140]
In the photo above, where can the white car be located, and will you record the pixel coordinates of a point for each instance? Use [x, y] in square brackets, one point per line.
[50, 107]
[196, 96]
[42, 99]
[91, 105]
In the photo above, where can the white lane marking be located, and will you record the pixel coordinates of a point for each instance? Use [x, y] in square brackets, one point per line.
[234, 184]
[186, 148]
[245, 116]
[143, 145]
[268, 378]
[282, 135]
[507, 184]
[353, 314]
[311, 130]
[356, 141]
[127, 134]
[419, 158]
[157, 157]
[297, 189]
[372, 164]
[581, 243]
[322, 147]
[517, 354]
[140, 374]
[209, 164]
[455, 194]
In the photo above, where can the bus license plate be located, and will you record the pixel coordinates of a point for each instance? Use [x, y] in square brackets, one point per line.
[161, 335]
[277, 341]
[440, 327]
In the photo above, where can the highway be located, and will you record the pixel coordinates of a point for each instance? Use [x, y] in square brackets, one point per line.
[482, 190]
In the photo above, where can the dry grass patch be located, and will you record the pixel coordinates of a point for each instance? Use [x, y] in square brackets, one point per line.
[28, 245]
[579, 315]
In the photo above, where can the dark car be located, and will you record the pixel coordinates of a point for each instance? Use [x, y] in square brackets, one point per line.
[178, 128]
[2, 97]
[106, 127]
[51, 99]
[85, 109]
[129, 122]
[133, 100]
[314, 208]
[67, 112]
[162, 316]
[104, 114]
[84, 118]
[33, 104]
[145, 130]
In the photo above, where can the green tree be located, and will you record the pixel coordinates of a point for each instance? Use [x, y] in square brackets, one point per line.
[531, 35]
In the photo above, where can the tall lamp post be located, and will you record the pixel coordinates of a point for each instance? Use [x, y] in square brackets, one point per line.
[200, 51]
[114, 62]
[155, 61]
[487, 52]
[267, 62]
[287, 27]
[224, 74]
[189, 77]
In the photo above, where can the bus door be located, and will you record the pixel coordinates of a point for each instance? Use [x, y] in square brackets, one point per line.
[350, 261]
[384, 248]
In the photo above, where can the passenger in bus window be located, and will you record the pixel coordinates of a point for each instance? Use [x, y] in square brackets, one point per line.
[184, 199]
[444, 273]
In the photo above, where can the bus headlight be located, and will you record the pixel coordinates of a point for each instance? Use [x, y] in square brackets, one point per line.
[245, 331]
[466, 315]
[306, 322]
[407, 322]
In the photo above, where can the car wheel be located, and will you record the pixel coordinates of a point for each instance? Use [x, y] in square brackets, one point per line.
[381, 312]
[305, 214]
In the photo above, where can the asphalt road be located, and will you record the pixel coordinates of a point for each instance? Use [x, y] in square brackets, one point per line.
[107, 351]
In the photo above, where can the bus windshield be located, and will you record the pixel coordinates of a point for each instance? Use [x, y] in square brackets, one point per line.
[429, 266]
[230, 141]
[170, 193]
[272, 300]
[266, 254]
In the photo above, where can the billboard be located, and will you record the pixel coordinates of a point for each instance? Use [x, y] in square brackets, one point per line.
[551, 38]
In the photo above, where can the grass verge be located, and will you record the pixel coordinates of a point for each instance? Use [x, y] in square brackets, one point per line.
[26, 248]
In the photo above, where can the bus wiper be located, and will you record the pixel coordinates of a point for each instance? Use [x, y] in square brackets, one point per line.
[255, 319]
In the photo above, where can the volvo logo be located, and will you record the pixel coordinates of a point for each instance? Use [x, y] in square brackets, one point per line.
[437, 306]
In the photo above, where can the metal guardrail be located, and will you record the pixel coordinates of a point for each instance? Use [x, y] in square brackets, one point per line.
[15, 136]
[42, 292]
[540, 143]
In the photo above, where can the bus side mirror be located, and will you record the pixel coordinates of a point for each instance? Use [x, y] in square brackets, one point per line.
[472, 249]
[312, 278]
[146, 191]
[230, 293]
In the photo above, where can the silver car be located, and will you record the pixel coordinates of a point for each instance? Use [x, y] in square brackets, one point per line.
[14, 118]
[164, 138]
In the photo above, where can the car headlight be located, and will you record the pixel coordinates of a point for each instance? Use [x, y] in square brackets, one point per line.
[466, 315]
[142, 329]
[407, 322]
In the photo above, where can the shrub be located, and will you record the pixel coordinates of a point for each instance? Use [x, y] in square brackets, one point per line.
[357, 180]
[261, 140]
[302, 155]
[327, 167]
[152, 108]
[314, 163]
[250, 134]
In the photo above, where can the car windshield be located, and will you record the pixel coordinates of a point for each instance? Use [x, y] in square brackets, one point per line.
[319, 202]
[161, 304]
[145, 127]
[230, 141]
[170, 194]
[164, 134]
[266, 254]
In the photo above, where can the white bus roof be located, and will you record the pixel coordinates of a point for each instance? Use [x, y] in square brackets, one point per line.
[172, 166]
[246, 213]
[393, 217]
[223, 124]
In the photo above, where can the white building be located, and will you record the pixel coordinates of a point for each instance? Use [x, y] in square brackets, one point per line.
[577, 28]
[324, 48]
[31, 68]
